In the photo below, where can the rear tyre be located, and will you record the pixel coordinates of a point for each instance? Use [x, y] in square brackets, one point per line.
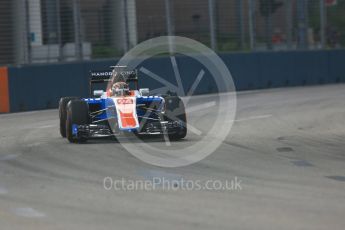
[63, 113]
[77, 114]
[175, 111]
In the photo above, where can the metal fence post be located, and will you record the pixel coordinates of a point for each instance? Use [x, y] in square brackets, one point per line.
[240, 23]
[251, 22]
[28, 34]
[323, 23]
[269, 32]
[58, 29]
[169, 22]
[77, 30]
[125, 21]
[288, 4]
[170, 26]
[213, 37]
[302, 24]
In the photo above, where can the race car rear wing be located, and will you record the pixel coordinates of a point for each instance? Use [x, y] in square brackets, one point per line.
[106, 75]
[100, 76]
[103, 76]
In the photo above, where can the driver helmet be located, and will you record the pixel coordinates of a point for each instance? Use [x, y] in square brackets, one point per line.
[120, 89]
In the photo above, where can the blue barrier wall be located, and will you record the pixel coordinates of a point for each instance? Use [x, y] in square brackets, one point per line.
[36, 87]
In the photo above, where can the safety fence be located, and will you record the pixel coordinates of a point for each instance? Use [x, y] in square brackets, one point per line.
[46, 31]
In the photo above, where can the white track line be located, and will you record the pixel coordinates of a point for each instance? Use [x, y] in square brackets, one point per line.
[28, 212]
[9, 157]
[254, 118]
[196, 108]
[46, 126]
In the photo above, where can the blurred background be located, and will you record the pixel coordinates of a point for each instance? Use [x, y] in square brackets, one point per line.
[47, 31]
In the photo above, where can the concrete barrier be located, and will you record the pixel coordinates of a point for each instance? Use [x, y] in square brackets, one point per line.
[34, 87]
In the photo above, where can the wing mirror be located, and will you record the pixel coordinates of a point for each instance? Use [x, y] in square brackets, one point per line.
[144, 92]
[98, 93]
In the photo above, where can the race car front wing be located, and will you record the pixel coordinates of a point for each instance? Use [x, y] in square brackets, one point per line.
[104, 130]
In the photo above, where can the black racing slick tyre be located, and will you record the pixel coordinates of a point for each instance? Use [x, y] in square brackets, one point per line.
[175, 111]
[77, 114]
[63, 113]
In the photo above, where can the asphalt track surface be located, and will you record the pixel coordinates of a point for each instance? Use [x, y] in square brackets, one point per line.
[286, 146]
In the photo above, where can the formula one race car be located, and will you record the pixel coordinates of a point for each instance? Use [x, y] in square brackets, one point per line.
[122, 108]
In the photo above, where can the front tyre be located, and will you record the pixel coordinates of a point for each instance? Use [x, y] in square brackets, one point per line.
[63, 113]
[175, 112]
[77, 114]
